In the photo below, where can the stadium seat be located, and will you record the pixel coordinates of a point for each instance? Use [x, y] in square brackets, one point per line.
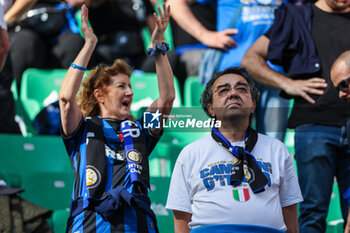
[59, 220]
[51, 190]
[193, 90]
[39, 88]
[145, 87]
[26, 126]
[289, 141]
[33, 154]
[158, 196]
[334, 218]
[12, 179]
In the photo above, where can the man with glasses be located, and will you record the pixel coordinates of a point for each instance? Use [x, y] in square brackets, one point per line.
[340, 75]
[235, 175]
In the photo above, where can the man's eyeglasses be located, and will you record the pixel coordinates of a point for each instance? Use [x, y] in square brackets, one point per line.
[343, 86]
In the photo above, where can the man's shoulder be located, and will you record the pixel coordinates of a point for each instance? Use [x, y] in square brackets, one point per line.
[200, 143]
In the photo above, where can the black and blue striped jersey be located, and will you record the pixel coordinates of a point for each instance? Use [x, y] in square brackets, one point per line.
[117, 173]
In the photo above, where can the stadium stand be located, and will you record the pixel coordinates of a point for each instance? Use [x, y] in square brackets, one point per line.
[40, 165]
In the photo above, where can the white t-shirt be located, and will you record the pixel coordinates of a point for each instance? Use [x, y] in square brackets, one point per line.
[200, 185]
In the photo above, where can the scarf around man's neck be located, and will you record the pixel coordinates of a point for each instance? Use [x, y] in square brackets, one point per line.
[246, 164]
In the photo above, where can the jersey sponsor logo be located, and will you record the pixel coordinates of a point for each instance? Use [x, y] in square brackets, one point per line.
[93, 177]
[241, 193]
[132, 132]
[112, 154]
[134, 156]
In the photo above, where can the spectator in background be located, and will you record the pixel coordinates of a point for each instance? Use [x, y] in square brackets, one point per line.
[46, 38]
[117, 25]
[187, 47]
[4, 39]
[340, 75]
[7, 113]
[252, 19]
[306, 40]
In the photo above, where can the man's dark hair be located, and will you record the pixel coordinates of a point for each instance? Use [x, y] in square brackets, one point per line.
[207, 95]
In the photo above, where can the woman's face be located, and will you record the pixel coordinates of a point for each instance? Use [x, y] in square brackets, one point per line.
[117, 98]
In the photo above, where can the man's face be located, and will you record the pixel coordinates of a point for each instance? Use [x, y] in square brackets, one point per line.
[341, 80]
[231, 98]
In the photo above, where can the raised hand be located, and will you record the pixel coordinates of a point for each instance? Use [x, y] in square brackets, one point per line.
[87, 31]
[161, 24]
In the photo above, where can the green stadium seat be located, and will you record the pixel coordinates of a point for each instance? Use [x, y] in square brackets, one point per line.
[37, 85]
[40, 166]
[193, 91]
[59, 220]
[38, 89]
[33, 154]
[334, 218]
[20, 112]
[51, 190]
[12, 179]
[145, 87]
[289, 141]
[158, 196]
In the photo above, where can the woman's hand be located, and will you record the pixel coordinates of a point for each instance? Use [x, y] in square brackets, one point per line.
[87, 31]
[160, 25]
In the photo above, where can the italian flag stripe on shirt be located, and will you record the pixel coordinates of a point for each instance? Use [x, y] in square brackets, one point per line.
[241, 195]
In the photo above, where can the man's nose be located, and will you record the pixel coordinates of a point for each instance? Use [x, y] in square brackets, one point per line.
[233, 93]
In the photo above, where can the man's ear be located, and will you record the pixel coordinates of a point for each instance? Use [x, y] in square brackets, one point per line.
[98, 95]
[211, 110]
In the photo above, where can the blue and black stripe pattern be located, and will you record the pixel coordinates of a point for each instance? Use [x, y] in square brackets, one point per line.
[92, 182]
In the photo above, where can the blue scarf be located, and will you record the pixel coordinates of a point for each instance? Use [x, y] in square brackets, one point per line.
[246, 164]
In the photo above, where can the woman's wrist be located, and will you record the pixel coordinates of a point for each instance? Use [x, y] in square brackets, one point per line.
[157, 42]
[158, 49]
[90, 43]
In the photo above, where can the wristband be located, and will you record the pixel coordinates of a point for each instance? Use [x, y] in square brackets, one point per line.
[77, 67]
[158, 49]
